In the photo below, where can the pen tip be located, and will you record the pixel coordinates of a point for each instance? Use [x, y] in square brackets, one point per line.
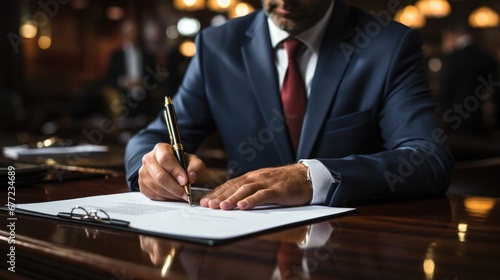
[190, 200]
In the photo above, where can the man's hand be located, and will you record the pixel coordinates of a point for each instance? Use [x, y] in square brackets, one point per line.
[286, 185]
[161, 177]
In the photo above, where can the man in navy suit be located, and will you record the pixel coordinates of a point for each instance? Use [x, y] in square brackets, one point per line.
[369, 133]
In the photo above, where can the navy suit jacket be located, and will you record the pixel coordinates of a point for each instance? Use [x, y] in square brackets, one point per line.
[369, 115]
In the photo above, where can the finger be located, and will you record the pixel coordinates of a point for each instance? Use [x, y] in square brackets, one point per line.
[241, 193]
[195, 167]
[165, 157]
[261, 197]
[155, 181]
[146, 186]
[212, 195]
[213, 198]
[150, 194]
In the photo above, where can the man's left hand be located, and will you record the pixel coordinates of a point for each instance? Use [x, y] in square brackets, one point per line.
[285, 185]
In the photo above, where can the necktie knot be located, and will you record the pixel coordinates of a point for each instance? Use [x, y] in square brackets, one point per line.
[292, 45]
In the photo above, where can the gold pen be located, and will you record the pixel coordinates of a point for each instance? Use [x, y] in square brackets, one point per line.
[175, 141]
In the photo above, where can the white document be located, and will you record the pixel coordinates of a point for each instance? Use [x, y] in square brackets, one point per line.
[178, 219]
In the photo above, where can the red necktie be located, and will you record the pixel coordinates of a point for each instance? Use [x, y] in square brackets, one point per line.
[293, 93]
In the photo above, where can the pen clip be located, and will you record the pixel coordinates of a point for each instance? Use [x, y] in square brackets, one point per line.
[170, 132]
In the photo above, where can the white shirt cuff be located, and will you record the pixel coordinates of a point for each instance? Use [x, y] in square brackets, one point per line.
[321, 179]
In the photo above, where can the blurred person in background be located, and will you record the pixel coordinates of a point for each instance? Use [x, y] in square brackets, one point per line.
[127, 67]
[467, 102]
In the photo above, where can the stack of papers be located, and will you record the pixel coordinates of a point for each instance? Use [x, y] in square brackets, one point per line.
[23, 151]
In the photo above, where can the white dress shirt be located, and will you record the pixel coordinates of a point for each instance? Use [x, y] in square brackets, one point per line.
[307, 59]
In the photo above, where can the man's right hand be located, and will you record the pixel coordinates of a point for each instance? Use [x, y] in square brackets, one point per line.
[161, 177]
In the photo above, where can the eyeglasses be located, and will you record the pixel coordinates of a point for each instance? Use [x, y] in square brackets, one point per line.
[95, 215]
[80, 213]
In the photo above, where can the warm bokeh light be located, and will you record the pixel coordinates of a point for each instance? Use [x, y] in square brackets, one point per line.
[483, 17]
[28, 29]
[479, 206]
[434, 8]
[240, 9]
[188, 26]
[462, 231]
[115, 13]
[462, 227]
[44, 42]
[79, 4]
[411, 17]
[219, 5]
[189, 5]
[429, 266]
[187, 48]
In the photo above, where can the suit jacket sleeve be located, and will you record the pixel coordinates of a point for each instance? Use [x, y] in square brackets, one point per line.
[196, 124]
[417, 162]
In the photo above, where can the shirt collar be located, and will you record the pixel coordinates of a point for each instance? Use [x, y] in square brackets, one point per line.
[312, 37]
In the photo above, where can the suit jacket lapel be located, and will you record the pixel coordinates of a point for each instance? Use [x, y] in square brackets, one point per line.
[258, 58]
[332, 63]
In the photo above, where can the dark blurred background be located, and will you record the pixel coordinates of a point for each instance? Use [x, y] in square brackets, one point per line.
[60, 71]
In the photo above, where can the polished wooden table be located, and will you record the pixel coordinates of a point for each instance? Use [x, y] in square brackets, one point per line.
[449, 237]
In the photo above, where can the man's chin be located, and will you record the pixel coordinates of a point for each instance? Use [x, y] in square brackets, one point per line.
[284, 23]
